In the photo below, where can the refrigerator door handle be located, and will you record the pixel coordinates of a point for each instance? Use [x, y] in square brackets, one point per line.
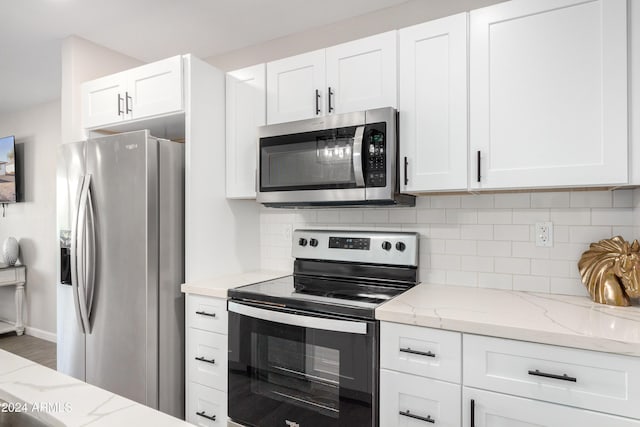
[82, 253]
[74, 255]
[90, 259]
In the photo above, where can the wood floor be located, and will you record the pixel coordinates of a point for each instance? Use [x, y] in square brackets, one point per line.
[32, 348]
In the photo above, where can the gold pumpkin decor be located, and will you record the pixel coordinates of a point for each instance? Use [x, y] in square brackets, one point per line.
[610, 270]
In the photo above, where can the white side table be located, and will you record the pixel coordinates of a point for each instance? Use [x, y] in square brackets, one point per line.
[14, 276]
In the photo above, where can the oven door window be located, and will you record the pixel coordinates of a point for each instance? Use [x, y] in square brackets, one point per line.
[310, 161]
[312, 377]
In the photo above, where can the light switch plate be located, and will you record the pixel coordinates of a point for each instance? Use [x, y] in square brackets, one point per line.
[544, 234]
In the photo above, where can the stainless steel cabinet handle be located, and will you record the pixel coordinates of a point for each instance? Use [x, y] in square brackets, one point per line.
[120, 111]
[563, 377]
[317, 102]
[479, 174]
[427, 419]
[330, 94]
[356, 156]
[406, 170]
[420, 353]
[204, 415]
[204, 313]
[126, 103]
[202, 359]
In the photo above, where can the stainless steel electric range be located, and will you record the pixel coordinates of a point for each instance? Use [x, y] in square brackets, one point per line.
[304, 349]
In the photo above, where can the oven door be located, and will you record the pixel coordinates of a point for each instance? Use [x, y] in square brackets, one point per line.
[298, 370]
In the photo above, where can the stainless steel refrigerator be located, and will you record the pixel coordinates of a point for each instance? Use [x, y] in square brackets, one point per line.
[121, 229]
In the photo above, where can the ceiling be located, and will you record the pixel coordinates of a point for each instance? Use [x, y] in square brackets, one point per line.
[32, 32]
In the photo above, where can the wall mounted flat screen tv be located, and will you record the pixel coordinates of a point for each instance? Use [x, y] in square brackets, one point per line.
[7, 170]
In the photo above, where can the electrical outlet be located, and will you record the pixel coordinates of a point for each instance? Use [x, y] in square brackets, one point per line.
[544, 234]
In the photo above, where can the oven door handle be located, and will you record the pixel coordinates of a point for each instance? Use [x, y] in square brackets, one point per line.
[334, 325]
[357, 156]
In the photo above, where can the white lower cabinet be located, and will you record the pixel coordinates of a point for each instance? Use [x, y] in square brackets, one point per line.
[487, 409]
[410, 400]
[206, 361]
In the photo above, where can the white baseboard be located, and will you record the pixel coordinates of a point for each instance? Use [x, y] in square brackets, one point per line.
[39, 333]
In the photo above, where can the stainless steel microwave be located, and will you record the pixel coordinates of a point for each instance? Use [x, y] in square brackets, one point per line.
[340, 160]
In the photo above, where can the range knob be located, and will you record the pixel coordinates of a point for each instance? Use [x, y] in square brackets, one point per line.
[401, 246]
[313, 242]
[302, 241]
[386, 246]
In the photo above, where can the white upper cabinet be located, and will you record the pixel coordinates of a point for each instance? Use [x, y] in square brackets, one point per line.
[354, 76]
[245, 113]
[295, 87]
[548, 94]
[150, 90]
[433, 105]
[361, 74]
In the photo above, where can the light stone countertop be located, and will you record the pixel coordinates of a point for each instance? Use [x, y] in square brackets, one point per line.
[570, 321]
[70, 402]
[218, 287]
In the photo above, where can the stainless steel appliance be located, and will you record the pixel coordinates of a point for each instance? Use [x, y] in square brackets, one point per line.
[303, 349]
[120, 310]
[344, 159]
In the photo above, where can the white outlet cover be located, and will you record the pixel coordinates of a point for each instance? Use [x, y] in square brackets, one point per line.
[544, 234]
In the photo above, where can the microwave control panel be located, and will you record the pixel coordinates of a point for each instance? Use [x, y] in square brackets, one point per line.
[376, 157]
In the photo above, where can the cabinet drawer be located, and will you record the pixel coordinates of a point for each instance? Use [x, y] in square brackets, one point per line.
[8, 275]
[500, 410]
[207, 358]
[421, 351]
[203, 404]
[207, 313]
[586, 379]
[407, 400]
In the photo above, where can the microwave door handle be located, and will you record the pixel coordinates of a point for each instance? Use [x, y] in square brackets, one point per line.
[357, 156]
[334, 325]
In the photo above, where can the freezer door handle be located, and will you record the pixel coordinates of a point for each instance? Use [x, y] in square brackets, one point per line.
[74, 254]
[81, 238]
[90, 259]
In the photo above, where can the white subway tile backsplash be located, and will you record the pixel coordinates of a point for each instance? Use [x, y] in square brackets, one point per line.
[511, 232]
[402, 215]
[476, 232]
[493, 248]
[431, 216]
[588, 234]
[483, 264]
[495, 281]
[622, 198]
[495, 216]
[615, 216]
[485, 240]
[471, 201]
[375, 216]
[445, 201]
[512, 265]
[556, 199]
[570, 216]
[461, 216]
[513, 200]
[531, 283]
[591, 199]
[460, 247]
[530, 216]
[462, 278]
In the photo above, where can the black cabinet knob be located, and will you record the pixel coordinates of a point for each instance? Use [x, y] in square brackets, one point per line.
[313, 242]
[401, 246]
[386, 246]
[302, 241]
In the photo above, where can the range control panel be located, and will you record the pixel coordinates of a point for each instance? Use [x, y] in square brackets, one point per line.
[357, 246]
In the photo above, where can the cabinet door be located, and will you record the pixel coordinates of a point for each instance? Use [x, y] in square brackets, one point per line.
[412, 401]
[154, 89]
[292, 86]
[361, 74]
[433, 105]
[548, 94]
[103, 101]
[487, 409]
[245, 112]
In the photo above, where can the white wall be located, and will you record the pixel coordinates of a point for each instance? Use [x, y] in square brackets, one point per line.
[480, 240]
[33, 222]
[83, 60]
